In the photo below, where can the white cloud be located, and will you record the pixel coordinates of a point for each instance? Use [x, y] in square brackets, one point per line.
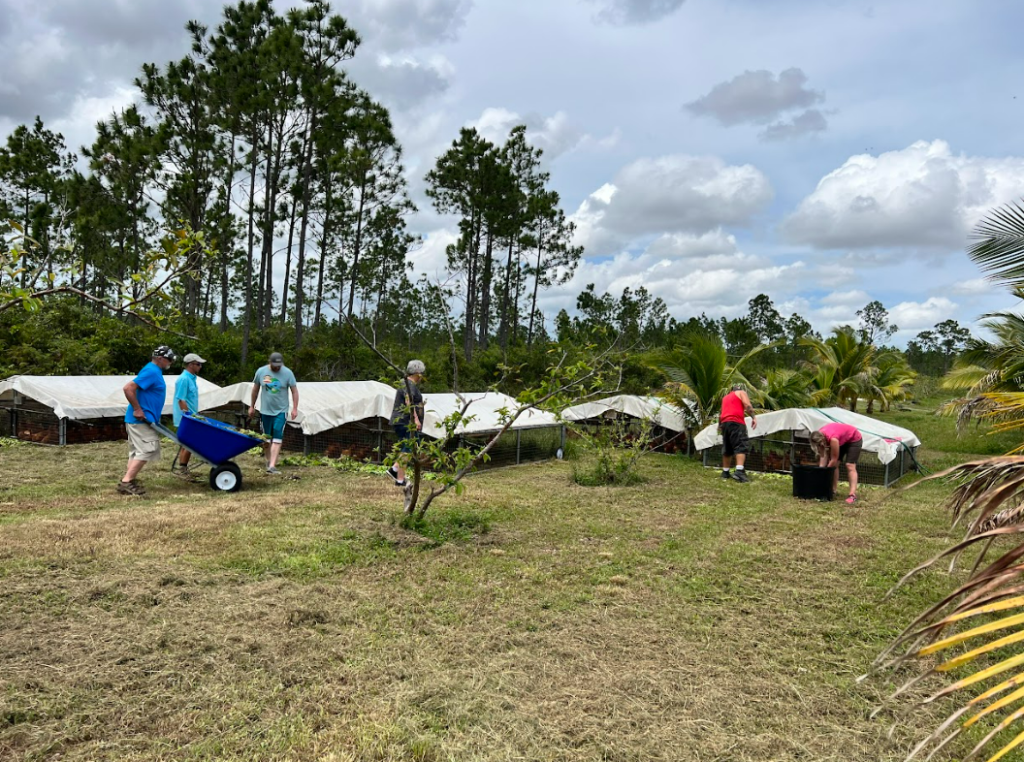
[555, 135]
[973, 287]
[670, 194]
[846, 299]
[691, 273]
[917, 316]
[921, 196]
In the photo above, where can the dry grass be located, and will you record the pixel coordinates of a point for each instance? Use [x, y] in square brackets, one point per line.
[529, 619]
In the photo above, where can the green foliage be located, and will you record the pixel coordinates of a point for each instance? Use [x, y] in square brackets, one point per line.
[608, 455]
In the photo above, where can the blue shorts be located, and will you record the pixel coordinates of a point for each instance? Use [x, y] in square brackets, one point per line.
[406, 437]
[273, 426]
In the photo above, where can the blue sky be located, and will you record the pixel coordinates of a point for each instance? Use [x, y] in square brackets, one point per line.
[823, 153]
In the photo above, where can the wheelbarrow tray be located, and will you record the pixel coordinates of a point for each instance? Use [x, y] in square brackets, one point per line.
[214, 441]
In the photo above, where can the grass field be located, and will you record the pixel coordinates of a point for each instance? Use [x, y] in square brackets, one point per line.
[686, 618]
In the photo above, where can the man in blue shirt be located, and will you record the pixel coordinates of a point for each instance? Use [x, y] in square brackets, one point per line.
[146, 394]
[271, 384]
[186, 400]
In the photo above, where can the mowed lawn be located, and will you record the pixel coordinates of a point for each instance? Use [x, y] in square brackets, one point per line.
[686, 618]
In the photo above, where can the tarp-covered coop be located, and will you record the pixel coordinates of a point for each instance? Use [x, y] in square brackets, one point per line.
[336, 418]
[783, 438]
[668, 433]
[535, 435]
[72, 409]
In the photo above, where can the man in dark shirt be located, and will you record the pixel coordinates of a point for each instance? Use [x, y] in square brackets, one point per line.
[407, 416]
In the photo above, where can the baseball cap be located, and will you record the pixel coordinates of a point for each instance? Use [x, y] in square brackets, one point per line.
[414, 367]
[193, 357]
[165, 351]
[276, 358]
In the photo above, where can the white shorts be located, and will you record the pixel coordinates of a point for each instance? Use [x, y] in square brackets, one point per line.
[143, 442]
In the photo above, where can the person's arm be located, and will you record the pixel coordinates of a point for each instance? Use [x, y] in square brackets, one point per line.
[131, 393]
[748, 409]
[295, 401]
[252, 404]
[833, 452]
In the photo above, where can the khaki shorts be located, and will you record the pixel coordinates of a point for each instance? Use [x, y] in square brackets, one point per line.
[143, 442]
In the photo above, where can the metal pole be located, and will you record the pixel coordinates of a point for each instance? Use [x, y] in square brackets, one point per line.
[886, 474]
[518, 440]
[63, 438]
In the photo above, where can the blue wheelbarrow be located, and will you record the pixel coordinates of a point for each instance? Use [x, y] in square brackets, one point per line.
[216, 443]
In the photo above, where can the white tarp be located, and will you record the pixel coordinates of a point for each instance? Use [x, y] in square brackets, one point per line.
[485, 409]
[81, 397]
[883, 439]
[323, 405]
[653, 409]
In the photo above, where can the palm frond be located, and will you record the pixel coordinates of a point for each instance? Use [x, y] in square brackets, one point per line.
[998, 247]
[978, 629]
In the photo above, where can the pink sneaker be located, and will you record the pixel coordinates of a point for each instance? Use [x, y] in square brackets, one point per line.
[851, 499]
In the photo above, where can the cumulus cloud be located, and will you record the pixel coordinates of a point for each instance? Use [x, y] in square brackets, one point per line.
[846, 299]
[917, 316]
[920, 196]
[669, 194]
[626, 12]
[691, 273]
[757, 97]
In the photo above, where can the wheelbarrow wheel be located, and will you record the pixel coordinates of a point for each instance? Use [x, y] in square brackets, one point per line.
[226, 478]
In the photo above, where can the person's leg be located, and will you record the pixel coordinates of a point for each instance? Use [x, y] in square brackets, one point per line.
[727, 452]
[183, 457]
[851, 474]
[134, 466]
[273, 426]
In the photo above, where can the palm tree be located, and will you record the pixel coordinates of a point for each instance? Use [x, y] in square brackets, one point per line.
[699, 372]
[785, 388]
[892, 381]
[988, 367]
[849, 363]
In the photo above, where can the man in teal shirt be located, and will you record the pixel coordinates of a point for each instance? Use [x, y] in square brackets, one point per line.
[186, 400]
[271, 384]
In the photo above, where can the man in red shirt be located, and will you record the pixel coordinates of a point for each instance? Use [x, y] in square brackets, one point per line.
[733, 427]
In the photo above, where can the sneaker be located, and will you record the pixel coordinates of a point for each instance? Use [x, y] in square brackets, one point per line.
[401, 483]
[741, 476]
[851, 499]
[130, 488]
[726, 475]
[272, 470]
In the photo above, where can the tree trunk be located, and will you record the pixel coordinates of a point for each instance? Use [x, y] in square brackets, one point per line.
[229, 183]
[247, 325]
[323, 256]
[358, 242]
[303, 227]
[536, 284]
[485, 292]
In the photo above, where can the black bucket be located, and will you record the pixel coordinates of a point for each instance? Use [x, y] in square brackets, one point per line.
[812, 482]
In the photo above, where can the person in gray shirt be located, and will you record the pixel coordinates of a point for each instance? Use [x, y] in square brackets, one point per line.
[271, 384]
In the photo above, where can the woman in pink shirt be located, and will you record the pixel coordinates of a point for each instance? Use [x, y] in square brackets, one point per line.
[839, 441]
